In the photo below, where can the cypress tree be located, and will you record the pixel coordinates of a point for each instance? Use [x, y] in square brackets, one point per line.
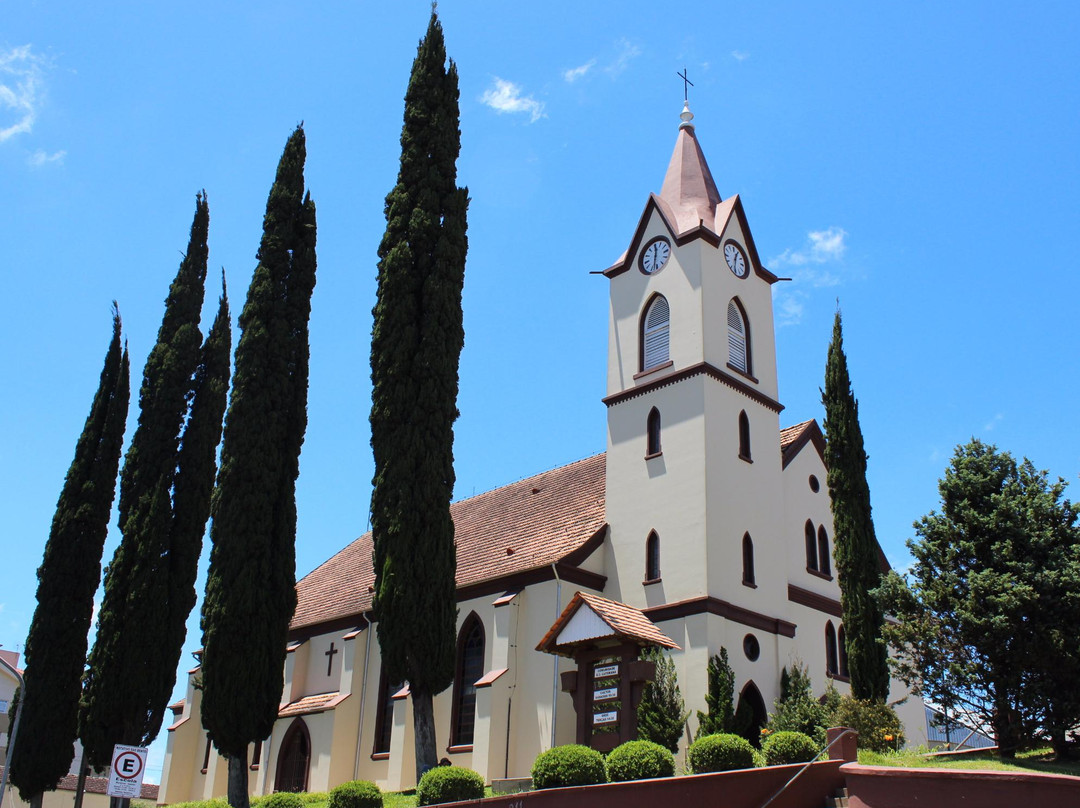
[251, 586]
[415, 346]
[720, 700]
[856, 548]
[67, 580]
[164, 504]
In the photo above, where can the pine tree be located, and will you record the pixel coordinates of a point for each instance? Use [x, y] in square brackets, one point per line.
[661, 713]
[720, 700]
[164, 505]
[251, 585]
[67, 580]
[856, 548]
[415, 345]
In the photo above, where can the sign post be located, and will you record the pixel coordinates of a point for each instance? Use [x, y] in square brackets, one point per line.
[128, 768]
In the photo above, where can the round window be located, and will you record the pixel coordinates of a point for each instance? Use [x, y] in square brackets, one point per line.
[815, 486]
[751, 647]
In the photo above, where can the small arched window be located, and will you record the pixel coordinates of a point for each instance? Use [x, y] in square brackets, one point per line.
[652, 557]
[831, 661]
[655, 334]
[823, 550]
[811, 547]
[841, 641]
[652, 447]
[738, 337]
[470, 668]
[744, 436]
[748, 560]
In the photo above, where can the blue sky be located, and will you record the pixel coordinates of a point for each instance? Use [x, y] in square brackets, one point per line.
[918, 161]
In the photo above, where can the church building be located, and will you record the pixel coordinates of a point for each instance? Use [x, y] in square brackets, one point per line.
[705, 524]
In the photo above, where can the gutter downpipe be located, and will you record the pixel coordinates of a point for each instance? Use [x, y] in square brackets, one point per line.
[363, 697]
[14, 728]
[555, 664]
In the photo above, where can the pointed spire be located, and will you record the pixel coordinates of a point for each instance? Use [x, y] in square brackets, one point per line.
[688, 185]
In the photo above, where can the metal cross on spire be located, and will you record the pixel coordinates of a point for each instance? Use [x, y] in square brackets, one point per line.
[686, 82]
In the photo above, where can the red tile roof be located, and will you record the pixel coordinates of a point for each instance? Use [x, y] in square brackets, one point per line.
[523, 526]
[625, 621]
[794, 438]
[318, 703]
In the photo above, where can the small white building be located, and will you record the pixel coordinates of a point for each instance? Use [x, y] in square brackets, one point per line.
[704, 514]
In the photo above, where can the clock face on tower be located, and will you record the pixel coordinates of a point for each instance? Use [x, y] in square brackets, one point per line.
[655, 255]
[736, 261]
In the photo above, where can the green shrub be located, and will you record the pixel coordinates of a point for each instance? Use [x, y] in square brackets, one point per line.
[355, 794]
[721, 753]
[216, 802]
[639, 760]
[282, 799]
[448, 784]
[781, 748]
[570, 765]
[878, 725]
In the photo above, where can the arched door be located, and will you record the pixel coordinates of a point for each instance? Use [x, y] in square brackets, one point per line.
[750, 714]
[294, 759]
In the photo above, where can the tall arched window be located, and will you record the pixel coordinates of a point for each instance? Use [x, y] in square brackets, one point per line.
[823, 550]
[652, 557]
[384, 714]
[294, 759]
[470, 667]
[652, 447]
[841, 641]
[738, 331]
[748, 560]
[655, 336]
[831, 660]
[811, 547]
[744, 436]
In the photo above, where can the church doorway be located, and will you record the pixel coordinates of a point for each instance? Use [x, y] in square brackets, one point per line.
[294, 759]
[750, 714]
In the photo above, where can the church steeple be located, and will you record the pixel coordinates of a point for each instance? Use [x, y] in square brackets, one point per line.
[688, 187]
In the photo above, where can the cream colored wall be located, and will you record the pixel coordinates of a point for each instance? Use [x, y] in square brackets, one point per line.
[61, 798]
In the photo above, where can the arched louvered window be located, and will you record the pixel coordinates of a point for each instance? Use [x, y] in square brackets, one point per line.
[470, 668]
[652, 557]
[294, 759]
[744, 436]
[652, 447]
[811, 547]
[738, 337]
[655, 337]
[831, 661]
[748, 560]
[823, 550]
[841, 641]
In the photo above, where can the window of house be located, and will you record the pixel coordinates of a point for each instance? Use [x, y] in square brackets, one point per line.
[738, 338]
[470, 668]
[831, 660]
[384, 714]
[823, 551]
[655, 337]
[206, 755]
[841, 641]
[652, 557]
[811, 547]
[748, 560]
[256, 754]
[744, 436]
[652, 448]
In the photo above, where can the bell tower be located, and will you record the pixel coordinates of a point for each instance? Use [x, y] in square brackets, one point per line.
[692, 401]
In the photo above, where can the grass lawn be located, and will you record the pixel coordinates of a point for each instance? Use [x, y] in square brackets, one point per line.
[1037, 760]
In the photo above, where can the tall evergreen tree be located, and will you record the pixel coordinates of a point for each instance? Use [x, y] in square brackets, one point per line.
[720, 700]
[164, 504]
[67, 579]
[251, 586]
[661, 713]
[415, 345]
[856, 548]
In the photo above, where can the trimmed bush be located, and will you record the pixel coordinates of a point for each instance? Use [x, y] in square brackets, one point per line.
[639, 760]
[282, 799]
[782, 748]
[569, 765]
[355, 794]
[721, 753]
[448, 784]
[878, 725]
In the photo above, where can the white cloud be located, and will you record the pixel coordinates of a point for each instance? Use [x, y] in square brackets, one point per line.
[993, 422]
[628, 51]
[505, 96]
[575, 73]
[822, 247]
[740, 56]
[21, 89]
[41, 157]
[788, 306]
